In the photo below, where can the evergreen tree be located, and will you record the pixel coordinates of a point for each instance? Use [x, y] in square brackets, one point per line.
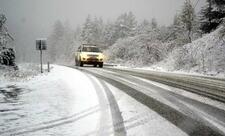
[125, 25]
[62, 43]
[86, 33]
[97, 29]
[154, 23]
[188, 17]
[144, 27]
[212, 15]
[185, 26]
[177, 32]
[54, 40]
[92, 31]
[109, 34]
[7, 55]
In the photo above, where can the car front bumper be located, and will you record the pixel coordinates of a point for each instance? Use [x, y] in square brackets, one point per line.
[92, 60]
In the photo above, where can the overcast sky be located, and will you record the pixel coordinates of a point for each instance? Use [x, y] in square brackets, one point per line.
[29, 19]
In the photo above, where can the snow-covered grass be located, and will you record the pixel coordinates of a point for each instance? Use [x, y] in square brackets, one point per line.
[64, 98]
[25, 72]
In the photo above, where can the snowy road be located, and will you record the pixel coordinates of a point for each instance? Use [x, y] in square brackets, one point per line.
[92, 101]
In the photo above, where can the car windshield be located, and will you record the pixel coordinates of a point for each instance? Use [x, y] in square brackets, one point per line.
[91, 49]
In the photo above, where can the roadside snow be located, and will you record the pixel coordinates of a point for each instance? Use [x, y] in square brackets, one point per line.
[26, 71]
[62, 102]
[155, 68]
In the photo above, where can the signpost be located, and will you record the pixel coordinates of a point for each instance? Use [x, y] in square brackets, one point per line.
[41, 45]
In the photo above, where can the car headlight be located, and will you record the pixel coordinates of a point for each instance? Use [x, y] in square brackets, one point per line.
[83, 56]
[101, 57]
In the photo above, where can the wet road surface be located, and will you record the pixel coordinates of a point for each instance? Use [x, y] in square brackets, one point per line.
[115, 102]
[191, 116]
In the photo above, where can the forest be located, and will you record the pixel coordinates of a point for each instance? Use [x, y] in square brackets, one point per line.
[194, 42]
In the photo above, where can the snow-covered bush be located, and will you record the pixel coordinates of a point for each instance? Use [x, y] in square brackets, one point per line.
[25, 72]
[139, 50]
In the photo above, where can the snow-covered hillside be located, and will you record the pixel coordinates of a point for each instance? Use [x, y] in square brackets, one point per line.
[205, 55]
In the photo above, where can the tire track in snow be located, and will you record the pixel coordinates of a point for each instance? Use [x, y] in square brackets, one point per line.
[185, 123]
[215, 117]
[130, 123]
[103, 104]
[213, 89]
[174, 97]
[51, 123]
[118, 129]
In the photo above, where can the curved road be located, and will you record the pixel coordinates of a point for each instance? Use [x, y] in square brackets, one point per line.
[196, 108]
[109, 101]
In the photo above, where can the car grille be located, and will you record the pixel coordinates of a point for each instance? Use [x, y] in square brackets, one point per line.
[92, 55]
[92, 59]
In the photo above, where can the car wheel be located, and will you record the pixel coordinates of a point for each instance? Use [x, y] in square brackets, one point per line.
[81, 64]
[95, 65]
[76, 63]
[101, 65]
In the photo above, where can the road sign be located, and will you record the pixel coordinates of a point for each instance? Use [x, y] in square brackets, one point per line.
[41, 44]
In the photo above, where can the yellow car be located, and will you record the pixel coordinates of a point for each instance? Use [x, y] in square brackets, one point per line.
[89, 54]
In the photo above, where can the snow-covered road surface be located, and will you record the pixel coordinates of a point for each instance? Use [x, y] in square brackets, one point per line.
[92, 101]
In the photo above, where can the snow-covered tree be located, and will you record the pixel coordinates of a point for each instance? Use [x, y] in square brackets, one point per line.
[177, 32]
[86, 33]
[98, 29]
[185, 27]
[146, 27]
[67, 46]
[62, 43]
[77, 33]
[125, 25]
[188, 18]
[109, 34]
[154, 23]
[212, 15]
[222, 31]
[54, 40]
[7, 55]
[92, 31]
